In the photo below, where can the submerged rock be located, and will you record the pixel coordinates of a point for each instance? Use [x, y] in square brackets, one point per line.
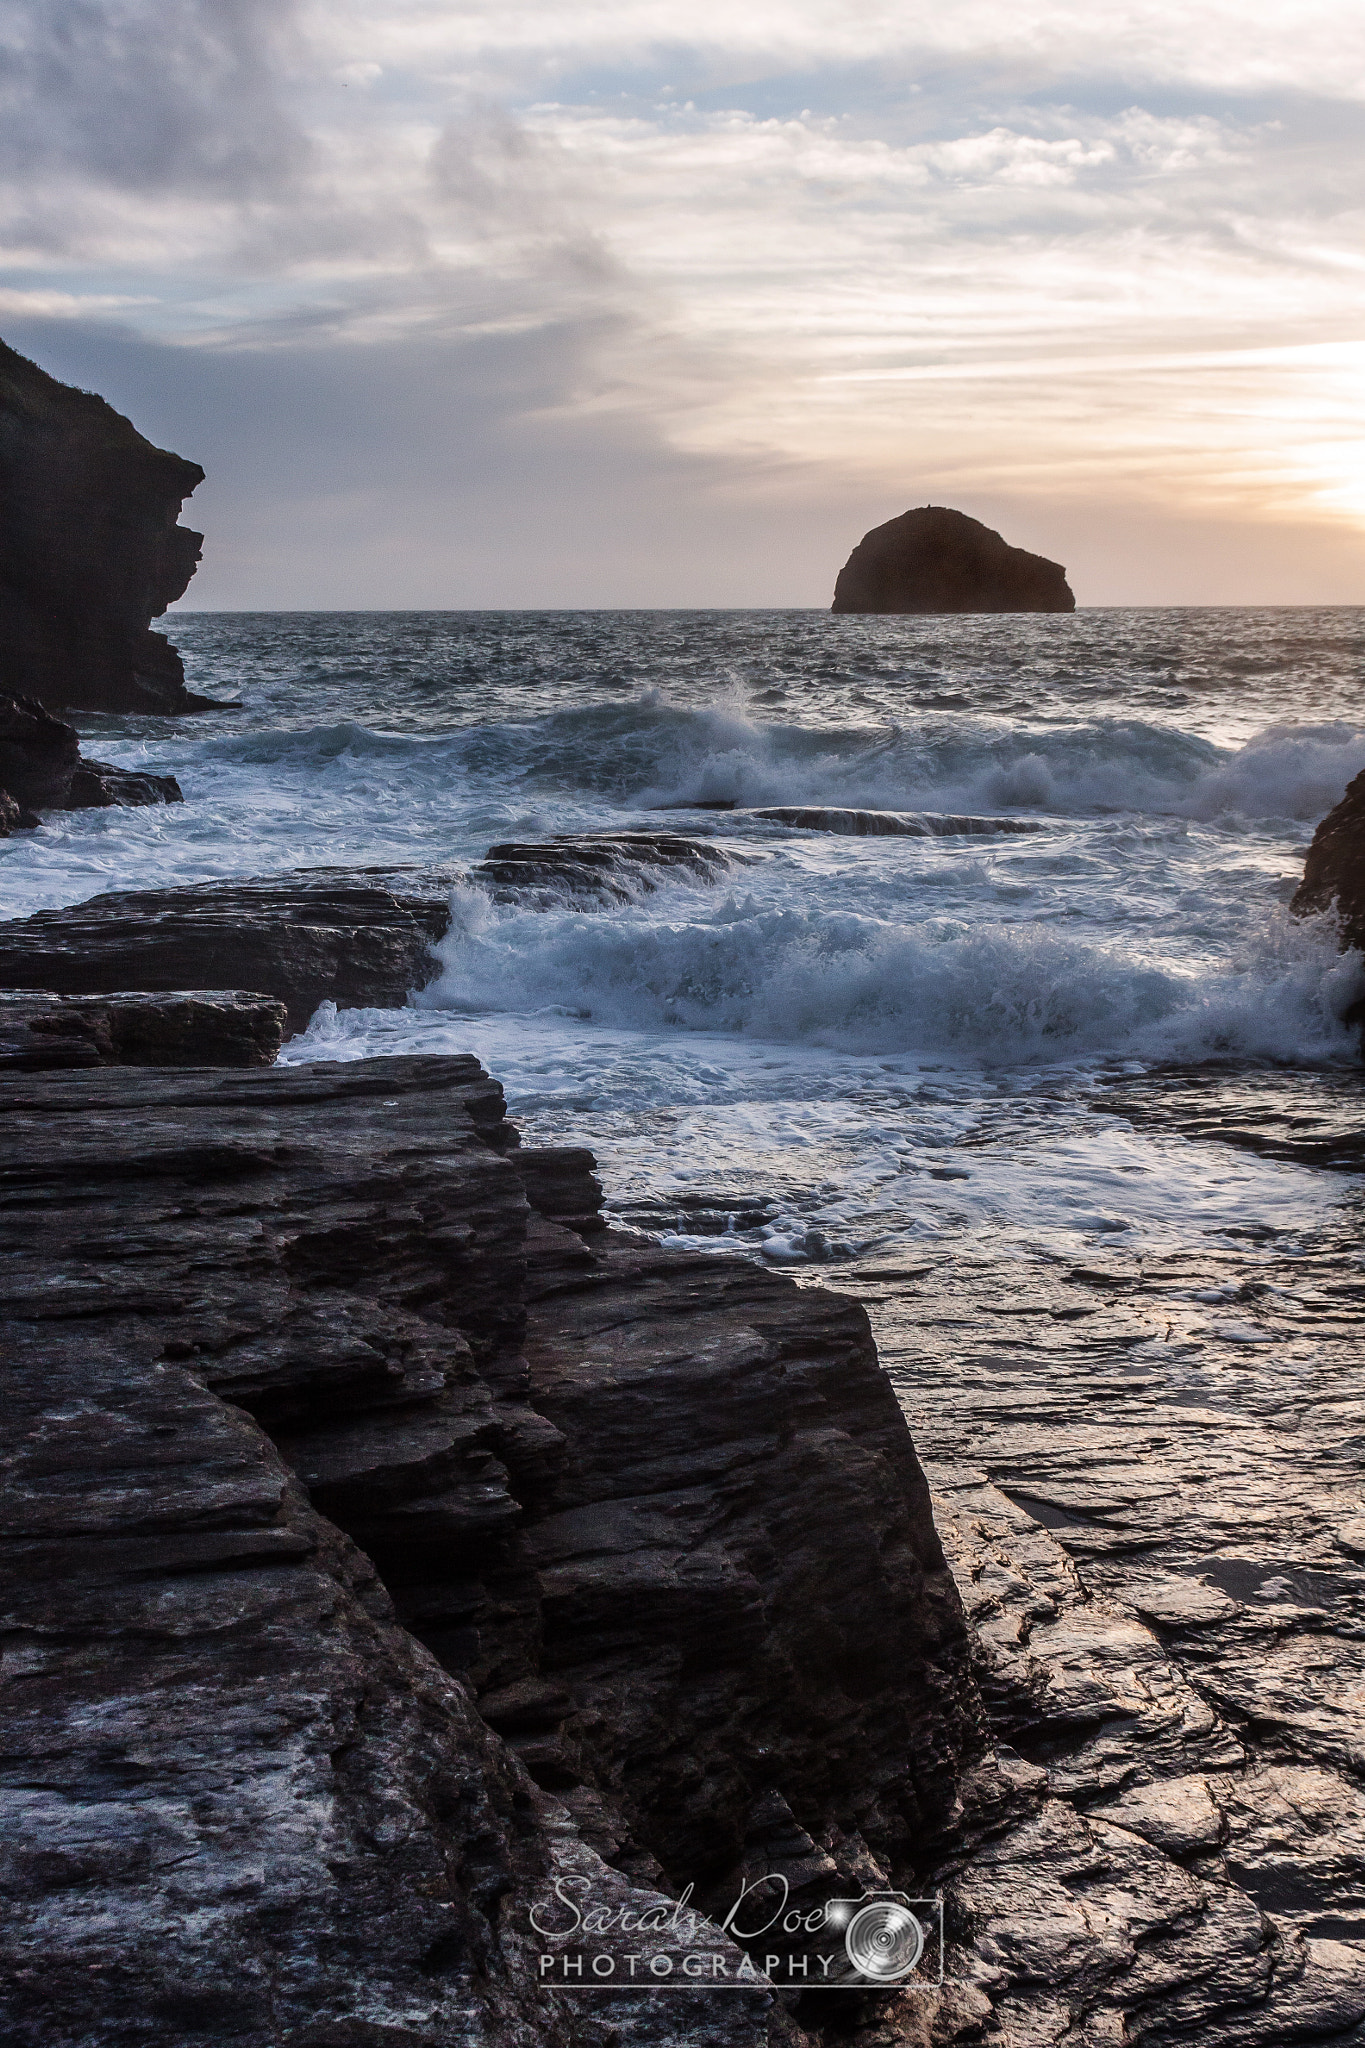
[379, 1548]
[613, 867]
[936, 560]
[893, 824]
[90, 551]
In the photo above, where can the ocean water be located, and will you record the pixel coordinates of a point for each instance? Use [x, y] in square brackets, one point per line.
[848, 1048]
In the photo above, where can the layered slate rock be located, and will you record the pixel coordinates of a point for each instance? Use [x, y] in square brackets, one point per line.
[90, 551]
[41, 768]
[350, 936]
[377, 1545]
[206, 1028]
[933, 559]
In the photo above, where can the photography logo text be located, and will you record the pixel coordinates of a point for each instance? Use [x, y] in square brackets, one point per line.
[878, 1940]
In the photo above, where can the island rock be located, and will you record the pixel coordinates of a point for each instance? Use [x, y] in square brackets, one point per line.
[90, 551]
[935, 560]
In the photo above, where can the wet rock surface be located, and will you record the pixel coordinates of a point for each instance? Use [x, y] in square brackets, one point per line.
[606, 868]
[1306, 1119]
[98, 786]
[933, 559]
[38, 754]
[894, 824]
[90, 551]
[322, 1434]
[1334, 871]
[352, 936]
[1147, 1477]
[205, 1028]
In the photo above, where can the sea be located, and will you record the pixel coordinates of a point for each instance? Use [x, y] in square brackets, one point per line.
[847, 1051]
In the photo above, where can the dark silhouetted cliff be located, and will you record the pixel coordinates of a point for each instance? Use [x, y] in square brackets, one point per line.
[90, 551]
[937, 560]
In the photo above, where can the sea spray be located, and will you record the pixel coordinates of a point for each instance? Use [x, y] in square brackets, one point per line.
[865, 984]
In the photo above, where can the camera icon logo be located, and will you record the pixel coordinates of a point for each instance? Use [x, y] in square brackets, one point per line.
[884, 1940]
[887, 1937]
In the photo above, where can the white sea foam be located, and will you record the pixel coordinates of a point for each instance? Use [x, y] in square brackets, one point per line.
[1287, 771]
[827, 1034]
[860, 983]
[651, 752]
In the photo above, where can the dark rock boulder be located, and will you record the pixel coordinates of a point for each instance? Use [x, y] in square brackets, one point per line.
[39, 755]
[15, 817]
[373, 1548]
[351, 936]
[937, 560]
[42, 769]
[1334, 872]
[90, 551]
[98, 786]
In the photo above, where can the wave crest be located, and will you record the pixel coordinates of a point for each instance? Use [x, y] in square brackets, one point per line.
[865, 985]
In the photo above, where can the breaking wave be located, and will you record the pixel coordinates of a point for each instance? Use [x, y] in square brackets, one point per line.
[651, 752]
[863, 984]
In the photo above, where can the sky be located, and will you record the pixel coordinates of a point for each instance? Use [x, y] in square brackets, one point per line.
[510, 303]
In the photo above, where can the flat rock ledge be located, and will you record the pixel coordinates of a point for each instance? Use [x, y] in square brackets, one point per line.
[358, 937]
[351, 936]
[382, 1537]
[201, 1028]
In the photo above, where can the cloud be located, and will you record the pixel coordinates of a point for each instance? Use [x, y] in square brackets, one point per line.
[149, 95]
[1037, 254]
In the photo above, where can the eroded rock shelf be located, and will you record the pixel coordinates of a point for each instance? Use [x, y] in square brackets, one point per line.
[381, 1535]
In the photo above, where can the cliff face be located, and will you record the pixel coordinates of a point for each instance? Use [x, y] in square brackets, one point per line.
[90, 551]
[937, 560]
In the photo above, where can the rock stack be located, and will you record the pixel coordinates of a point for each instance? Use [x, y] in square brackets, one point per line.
[937, 560]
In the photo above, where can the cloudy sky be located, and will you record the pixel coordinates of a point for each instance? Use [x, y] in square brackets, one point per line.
[505, 302]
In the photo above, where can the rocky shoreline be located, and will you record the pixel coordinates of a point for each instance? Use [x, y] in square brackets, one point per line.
[383, 1534]
[386, 1536]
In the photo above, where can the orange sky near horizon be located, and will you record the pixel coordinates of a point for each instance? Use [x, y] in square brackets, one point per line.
[650, 305]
